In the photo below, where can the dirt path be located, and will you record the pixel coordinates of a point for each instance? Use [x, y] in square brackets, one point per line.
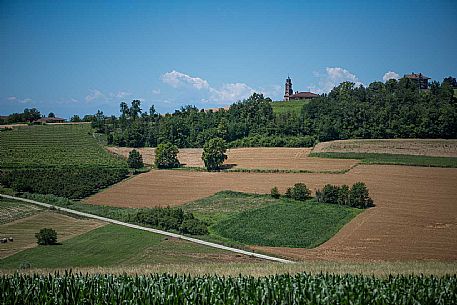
[415, 215]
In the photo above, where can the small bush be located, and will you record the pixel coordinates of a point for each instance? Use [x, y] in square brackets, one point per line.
[46, 237]
[167, 156]
[171, 219]
[193, 226]
[299, 192]
[275, 193]
[135, 159]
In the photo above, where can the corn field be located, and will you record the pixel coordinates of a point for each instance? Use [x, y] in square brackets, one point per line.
[162, 289]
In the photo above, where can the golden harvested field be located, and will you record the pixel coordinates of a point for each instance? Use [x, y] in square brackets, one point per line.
[252, 158]
[23, 230]
[415, 215]
[423, 147]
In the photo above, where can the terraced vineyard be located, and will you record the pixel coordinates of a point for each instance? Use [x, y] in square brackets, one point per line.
[64, 160]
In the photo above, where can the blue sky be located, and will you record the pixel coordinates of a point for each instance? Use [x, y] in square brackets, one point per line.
[74, 57]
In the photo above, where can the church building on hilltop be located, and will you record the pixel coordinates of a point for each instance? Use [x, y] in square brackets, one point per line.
[289, 94]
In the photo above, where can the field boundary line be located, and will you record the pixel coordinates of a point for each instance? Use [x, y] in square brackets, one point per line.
[179, 236]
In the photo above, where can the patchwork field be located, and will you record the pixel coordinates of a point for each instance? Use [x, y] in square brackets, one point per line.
[414, 217]
[113, 245]
[23, 230]
[419, 147]
[253, 158]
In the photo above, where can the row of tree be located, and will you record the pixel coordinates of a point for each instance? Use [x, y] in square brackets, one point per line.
[395, 109]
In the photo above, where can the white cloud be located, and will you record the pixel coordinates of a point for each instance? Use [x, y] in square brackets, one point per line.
[121, 94]
[94, 94]
[332, 77]
[390, 75]
[177, 79]
[156, 91]
[227, 93]
[19, 100]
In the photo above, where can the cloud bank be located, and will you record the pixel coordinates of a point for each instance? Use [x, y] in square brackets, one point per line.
[227, 93]
[332, 77]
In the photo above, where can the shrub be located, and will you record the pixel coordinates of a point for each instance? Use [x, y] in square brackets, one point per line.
[329, 194]
[167, 156]
[359, 197]
[193, 226]
[171, 219]
[46, 237]
[356, 197]
[275, 193]
[299, 192]
[135, 159]
[214, 153]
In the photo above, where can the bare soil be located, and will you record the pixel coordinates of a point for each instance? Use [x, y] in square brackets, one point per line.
[414, 218]
[421, 147]
[23, 230]
[252, 158]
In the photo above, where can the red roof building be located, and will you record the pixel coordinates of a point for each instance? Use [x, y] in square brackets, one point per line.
[420, 79]
[290, 95]
[50, 120]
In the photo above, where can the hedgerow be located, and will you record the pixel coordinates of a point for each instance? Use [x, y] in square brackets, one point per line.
[70, 182]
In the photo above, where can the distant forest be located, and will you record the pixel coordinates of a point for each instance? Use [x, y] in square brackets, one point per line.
[395, 109]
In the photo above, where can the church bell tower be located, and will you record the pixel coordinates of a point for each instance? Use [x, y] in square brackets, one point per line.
[288, 92]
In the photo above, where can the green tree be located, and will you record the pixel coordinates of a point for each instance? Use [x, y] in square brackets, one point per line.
[275, 193]
[75, 118]
[46, 236]
[51, 115]
[135, 159]
[359, 197]
[214, 153]
[299, 192]
[166, 156]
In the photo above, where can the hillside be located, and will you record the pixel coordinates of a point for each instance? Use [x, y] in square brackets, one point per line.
[64, 160]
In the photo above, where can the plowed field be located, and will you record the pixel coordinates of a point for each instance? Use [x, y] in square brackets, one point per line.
[421, 147]
[415, 215]
[253, 158]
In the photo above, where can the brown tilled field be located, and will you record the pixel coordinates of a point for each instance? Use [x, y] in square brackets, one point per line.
[23, 230]
[253, 158]
[414, 218]
[423, 147]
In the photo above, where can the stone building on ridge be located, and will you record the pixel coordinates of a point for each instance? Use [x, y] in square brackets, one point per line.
[289, 94]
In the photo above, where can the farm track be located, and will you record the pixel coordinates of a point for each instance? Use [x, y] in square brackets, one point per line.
[169, 234]
[414, 217]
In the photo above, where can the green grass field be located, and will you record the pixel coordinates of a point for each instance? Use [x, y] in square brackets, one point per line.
[280, 107]
[394, 159]
[112, 245]
[298, 225]
[53, 145]
[250, 219]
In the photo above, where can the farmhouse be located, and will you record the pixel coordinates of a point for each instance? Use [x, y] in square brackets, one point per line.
[289, 94]
[49, 120]
[420, 79]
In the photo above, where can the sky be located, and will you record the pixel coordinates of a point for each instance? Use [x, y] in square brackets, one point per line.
[76, 57]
